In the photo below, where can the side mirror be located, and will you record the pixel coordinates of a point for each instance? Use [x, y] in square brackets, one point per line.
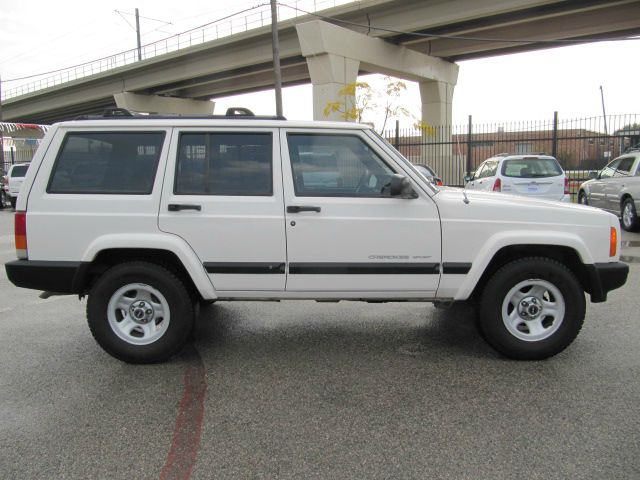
[467, 178]
[400, 186]
[593, 175]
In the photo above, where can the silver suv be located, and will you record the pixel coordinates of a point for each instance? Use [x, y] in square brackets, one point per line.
[616, 189]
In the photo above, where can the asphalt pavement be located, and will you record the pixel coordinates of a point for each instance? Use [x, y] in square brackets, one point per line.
[307, 390]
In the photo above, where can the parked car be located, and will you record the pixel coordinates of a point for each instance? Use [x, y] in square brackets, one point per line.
[4, 185]
[429, 173]
[616, 189]
[148, 216]
[15, 176]
[539, 176]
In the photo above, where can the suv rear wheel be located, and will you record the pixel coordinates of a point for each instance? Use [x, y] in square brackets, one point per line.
[140, 312]
[532, 309]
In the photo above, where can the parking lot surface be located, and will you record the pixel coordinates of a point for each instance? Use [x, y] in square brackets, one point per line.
[315, 390]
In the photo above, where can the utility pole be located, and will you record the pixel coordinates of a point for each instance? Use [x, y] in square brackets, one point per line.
[138, 34]
[276, 57]
[604, 115]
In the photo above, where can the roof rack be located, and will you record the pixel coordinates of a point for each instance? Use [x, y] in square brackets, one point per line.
[235, 113]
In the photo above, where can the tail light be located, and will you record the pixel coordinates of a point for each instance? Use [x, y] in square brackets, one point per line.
[497, 186]
[21, 234]
[566, 186]
[613, 242]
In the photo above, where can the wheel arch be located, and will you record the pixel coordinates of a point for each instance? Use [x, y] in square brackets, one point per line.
[624, 198]
[108, 258]
[166, 250]
[563, 254]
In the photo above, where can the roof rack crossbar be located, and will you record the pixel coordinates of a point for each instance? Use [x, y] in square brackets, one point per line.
[233, 113]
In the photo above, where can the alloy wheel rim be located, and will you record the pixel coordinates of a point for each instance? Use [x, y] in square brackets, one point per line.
[627, 215]
[138, 314]
[533, 310]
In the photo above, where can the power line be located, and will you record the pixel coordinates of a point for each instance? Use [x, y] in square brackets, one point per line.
[27, 77]
[455, 37]
[146, 18]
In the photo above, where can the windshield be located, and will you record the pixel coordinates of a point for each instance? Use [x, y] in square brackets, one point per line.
[19, 171]
[399, 155]
[531, 168]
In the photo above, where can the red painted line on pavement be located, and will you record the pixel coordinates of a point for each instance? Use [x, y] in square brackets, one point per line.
[186, 434]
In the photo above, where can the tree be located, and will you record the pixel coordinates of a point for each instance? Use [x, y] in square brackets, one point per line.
[369, 102]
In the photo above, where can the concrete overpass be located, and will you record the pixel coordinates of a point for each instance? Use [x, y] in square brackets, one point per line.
[312, 53]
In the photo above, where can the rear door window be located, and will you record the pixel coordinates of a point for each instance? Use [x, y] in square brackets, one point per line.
[233, 163]
[107, 163]
[624, 167]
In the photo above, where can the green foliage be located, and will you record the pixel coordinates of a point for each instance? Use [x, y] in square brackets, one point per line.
[358, 99]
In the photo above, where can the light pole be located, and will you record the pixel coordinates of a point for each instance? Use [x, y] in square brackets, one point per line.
[138, 34]
[604, 115]
[276, 57]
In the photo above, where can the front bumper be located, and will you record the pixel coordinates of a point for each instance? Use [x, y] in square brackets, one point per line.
[604, 277]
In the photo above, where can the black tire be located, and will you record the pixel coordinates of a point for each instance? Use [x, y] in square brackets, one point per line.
[561, 329]
[629, 216]
[3, 200]
[582, 198]
[170, 291]
[13, 202]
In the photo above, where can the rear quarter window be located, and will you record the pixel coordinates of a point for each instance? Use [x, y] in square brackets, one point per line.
[107, 163]
[531, 168]
[19, 171]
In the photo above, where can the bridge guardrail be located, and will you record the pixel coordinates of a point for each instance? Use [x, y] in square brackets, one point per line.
[260, 16]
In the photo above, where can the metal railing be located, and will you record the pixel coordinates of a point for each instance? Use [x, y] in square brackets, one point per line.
[580, 145]
[260, 16]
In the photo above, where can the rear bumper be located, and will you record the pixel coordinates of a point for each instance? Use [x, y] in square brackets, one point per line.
[604, 277]
[59, 277]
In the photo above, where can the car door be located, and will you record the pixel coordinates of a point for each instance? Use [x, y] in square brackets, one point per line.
[346, 236]
[223, 195]
[616, 183]
[597, 196]
[476, 181]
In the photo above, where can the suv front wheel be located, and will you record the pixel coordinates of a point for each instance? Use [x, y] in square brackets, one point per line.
[531, 309]
[629, 216]
[140, 312]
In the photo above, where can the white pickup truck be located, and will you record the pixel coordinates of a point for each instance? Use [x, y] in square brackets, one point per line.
[148, 216]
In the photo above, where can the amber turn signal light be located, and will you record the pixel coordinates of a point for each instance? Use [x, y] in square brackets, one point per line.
[613, 242]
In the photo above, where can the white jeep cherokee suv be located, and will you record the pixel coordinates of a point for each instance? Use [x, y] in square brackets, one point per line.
[148, 216]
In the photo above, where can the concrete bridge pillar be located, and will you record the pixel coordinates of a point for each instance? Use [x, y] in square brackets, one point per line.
[437, 98]
[335, 55]
[329, 73]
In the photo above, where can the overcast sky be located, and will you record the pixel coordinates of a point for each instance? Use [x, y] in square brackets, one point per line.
[38, 36]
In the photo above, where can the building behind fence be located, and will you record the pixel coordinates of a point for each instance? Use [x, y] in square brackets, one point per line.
[19, 142]
[580, 145]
